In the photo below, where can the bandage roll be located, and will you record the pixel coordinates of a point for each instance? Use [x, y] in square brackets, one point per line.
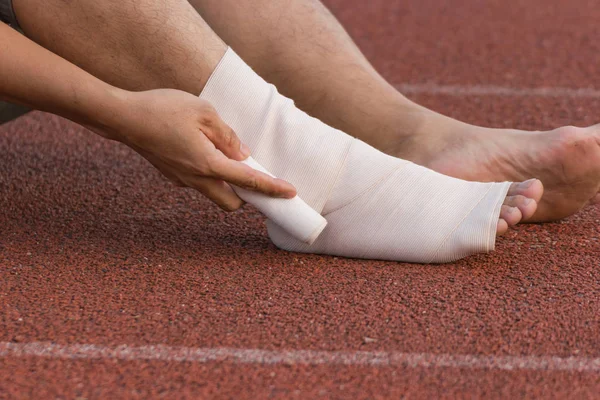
[293, 215]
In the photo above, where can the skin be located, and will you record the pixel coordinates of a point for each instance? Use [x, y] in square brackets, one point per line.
[299, 46]
[178, 133]
[100, 38]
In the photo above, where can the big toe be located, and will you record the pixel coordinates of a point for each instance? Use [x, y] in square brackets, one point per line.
[532, 188]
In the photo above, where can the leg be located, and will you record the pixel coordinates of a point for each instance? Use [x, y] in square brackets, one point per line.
[132, 44]
[110, 39]
[300, 47]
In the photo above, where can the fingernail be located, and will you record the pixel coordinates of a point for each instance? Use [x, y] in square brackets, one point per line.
[245, 150]
[512, 209]
[528, 201]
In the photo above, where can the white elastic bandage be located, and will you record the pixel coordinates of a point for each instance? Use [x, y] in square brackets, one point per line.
[293, 215]
[376, 206]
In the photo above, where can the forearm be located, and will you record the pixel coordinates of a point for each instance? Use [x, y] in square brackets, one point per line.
[33, 76]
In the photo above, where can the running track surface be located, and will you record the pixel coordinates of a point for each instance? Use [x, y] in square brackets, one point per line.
[114, 284]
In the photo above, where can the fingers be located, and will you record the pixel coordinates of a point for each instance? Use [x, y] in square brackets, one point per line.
[222, 136]
[228, 168]
[219, 192]
[248, 178]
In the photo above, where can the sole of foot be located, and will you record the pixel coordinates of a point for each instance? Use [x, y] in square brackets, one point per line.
[566, 160]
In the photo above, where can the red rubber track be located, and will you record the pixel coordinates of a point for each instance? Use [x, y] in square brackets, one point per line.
[96, 248]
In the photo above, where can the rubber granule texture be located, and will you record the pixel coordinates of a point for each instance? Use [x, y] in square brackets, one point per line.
[97, 248]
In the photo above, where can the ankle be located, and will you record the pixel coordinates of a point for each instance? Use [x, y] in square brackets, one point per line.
[420, 134]
[399, 123]
[409, 132]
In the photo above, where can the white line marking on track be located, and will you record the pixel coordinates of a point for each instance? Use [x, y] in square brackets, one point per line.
[291, 357]
[484, 90]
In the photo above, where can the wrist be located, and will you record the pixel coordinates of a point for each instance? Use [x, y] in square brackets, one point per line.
[107, 115]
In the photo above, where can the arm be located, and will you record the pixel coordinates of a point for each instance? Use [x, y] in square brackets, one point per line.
[33, 76]
[177, 132]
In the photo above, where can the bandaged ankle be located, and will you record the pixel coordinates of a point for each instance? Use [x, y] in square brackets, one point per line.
[377, 206]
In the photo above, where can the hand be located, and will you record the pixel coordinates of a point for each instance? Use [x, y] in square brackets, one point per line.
[184, 137]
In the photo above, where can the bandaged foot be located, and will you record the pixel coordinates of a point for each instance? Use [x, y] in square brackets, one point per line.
[376, 206]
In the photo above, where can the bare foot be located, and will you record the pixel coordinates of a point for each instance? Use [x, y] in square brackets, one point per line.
[566, 160]
[520, 204]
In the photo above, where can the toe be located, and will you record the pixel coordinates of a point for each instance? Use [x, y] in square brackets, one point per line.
[532, 188]
[502, 227]
[512, 215]
[526, 205]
